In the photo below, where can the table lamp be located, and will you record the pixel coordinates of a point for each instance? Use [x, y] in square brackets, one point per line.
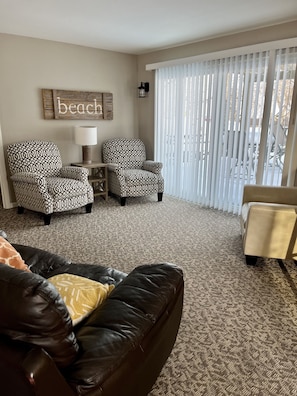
[86, 136]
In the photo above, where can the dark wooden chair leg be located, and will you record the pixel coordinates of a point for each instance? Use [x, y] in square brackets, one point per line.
[20, 210]
[160, 196]
[89, 207]
[47, 219]
[123, 201]
[251, 260]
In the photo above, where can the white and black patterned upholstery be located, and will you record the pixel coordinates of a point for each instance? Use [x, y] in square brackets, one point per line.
[42, 184]
[130, 174]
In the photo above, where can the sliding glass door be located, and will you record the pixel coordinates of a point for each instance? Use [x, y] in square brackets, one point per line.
[275, 126]
[222, 124]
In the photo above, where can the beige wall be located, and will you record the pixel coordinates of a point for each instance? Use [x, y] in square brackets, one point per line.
[28, 65]
[146, 109]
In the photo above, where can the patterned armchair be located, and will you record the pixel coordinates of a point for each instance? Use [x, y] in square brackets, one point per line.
[42, 184]
[129, 173]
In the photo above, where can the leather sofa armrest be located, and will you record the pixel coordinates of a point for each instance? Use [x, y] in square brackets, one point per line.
[28, 371]
[135, 327]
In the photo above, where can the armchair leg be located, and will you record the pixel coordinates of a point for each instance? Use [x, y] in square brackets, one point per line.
[160, 196]
[251, 260]
[89, 207]
[20, 210]
[123, 201]
[47, 219]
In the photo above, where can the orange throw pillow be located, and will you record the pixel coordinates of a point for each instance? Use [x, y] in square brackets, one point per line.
[9, 256]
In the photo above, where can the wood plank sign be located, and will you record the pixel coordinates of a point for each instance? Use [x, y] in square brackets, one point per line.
[76, 105]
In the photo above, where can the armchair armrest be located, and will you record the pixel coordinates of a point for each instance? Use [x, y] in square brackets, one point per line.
[270, 194]
[31, 178]
[75, 172]
[152, 166]
[116, 168]
[28, 185]
[269, 230]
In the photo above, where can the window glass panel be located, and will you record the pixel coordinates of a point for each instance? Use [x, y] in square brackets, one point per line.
[283, 86]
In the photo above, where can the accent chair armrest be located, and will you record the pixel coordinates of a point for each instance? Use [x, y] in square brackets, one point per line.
[270, 194]
[269, 230]
[152, 166]
[28, 177]
[116, 168]
[37, 183]
[75, 172]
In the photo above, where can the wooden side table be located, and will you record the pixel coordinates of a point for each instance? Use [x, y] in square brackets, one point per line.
[97, 177]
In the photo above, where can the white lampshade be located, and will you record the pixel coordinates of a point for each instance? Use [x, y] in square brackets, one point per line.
[85, 135]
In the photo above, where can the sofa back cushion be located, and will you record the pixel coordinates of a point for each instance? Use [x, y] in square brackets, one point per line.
[31, 310]
[40, 261]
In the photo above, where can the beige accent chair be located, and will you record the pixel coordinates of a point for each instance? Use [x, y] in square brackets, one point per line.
[269, 222]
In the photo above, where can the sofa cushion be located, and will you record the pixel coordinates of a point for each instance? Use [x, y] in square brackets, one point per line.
[81, 295]
[9, 256]
[32, 310]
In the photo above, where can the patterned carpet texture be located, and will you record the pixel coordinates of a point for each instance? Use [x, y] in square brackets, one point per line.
[238, 335]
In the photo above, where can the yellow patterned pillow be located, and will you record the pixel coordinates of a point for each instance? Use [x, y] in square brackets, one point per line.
[81, 295]
[11, 257]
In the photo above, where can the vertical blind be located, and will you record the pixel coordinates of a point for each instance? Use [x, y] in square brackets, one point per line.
[209, 125]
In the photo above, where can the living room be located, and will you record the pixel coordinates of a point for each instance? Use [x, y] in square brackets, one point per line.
[238, 331]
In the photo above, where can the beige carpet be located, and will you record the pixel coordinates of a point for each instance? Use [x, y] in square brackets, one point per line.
[238, 334]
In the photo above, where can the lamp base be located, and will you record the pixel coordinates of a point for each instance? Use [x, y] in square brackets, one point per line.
[87, 154]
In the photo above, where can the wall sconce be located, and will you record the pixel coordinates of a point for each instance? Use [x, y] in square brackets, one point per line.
[86, 136]
[143, 89]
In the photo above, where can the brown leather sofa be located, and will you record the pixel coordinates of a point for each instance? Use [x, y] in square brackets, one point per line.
[119, 350]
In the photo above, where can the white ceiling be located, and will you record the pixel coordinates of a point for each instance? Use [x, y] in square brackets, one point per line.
[137, 26]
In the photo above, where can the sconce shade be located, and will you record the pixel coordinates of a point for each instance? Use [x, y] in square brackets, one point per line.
[86, 136]
[143, 89]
